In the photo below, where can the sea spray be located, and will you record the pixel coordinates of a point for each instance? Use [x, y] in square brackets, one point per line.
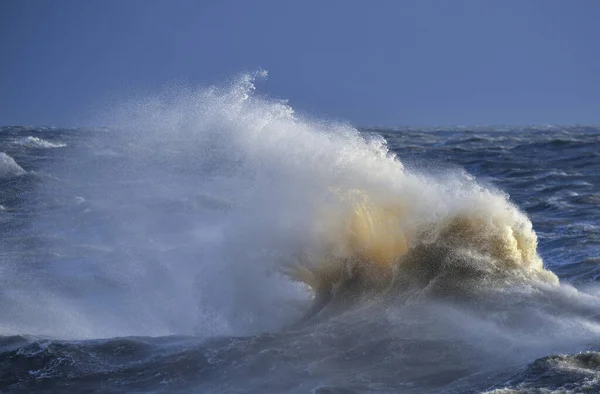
[293, 254]
[209, 198]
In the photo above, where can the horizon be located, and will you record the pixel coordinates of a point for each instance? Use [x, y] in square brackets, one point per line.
[473, 127]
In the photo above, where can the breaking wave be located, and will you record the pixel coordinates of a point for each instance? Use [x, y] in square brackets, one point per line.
[476, 242]
[9, 167]
[220, 212]
[36, 142]
[333, 208]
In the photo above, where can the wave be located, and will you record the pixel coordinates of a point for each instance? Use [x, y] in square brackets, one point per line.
[9, 168]
[383, 248]
[117, 365]
[221, 212]
[565, 373]
[36, 142]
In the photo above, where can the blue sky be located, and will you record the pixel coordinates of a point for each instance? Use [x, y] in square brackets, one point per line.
[368, 62]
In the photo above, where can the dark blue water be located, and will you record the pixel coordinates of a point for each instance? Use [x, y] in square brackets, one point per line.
[552, 173]
[97, 293]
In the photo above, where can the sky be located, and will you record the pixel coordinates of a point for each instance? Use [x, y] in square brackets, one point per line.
[375, 62]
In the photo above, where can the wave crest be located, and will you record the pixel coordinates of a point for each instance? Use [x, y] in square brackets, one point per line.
[9, 168]
[377, 248]
[35, 142]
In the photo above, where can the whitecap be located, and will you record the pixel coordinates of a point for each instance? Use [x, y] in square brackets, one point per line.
[35, 142]
[9, 168]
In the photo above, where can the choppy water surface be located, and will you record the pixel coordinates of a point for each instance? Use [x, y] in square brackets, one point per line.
[217, 242]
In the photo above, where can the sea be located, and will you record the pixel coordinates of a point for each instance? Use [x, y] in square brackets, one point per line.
[214, 240]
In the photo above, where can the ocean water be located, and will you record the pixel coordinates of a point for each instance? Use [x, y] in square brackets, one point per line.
[213, 240]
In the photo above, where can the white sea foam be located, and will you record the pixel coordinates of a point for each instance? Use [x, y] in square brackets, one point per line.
[36, 142]
[9, 167]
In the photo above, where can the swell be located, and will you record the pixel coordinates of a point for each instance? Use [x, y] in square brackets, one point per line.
[116, 365]
[559, 373]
